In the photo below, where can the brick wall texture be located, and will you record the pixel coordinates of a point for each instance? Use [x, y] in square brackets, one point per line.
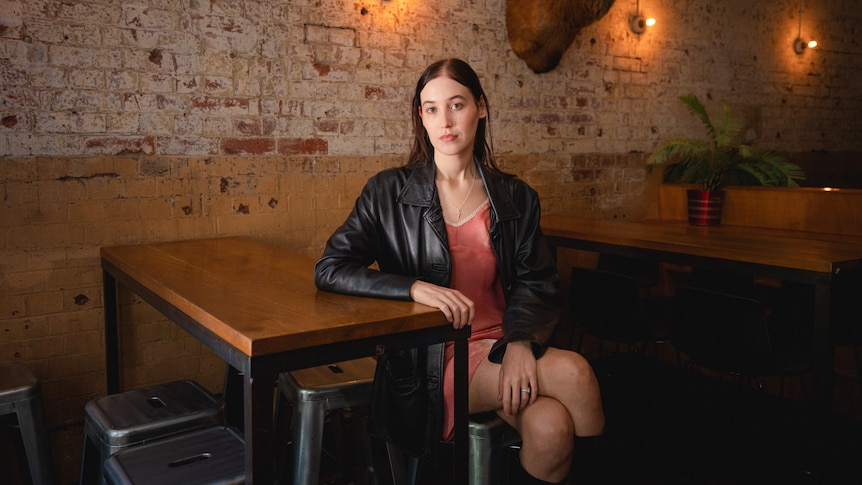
[153, 120]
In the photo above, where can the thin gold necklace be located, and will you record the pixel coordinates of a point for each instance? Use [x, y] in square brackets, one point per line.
[458, 207]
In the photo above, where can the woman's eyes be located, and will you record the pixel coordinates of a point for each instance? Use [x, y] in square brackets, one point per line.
[453, 107]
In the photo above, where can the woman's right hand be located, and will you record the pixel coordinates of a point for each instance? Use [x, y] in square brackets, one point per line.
[458, 309]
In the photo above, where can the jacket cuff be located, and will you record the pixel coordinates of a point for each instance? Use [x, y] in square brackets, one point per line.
[499, 348]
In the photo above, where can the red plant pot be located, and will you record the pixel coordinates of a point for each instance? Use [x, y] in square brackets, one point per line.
[704, 207]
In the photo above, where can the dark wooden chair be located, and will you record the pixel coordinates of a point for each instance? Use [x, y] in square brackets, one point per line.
[614, 307]
[732, 334]
[845, 312]
[645, 271]
[846, 316]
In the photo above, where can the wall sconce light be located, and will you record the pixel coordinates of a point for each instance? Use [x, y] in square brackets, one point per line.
[638, 23]
[800, 45]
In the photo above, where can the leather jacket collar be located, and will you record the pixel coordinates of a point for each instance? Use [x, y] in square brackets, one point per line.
[420, 190]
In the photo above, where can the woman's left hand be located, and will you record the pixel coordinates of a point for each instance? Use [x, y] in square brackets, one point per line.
[518, 378]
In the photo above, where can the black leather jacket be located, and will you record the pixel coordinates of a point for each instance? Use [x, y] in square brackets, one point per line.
[398, 222]
[406, 236]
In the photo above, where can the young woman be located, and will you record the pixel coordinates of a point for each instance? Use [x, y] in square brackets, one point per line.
[452, 231]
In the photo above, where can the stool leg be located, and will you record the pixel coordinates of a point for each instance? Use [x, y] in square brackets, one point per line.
[86, 459]
[405, 468]
[480, 463]
[308, 420]
[363, 442]
[283, 412]
[35, 437]
[91, 459]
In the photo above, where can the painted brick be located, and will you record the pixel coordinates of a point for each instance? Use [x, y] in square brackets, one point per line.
[253, 146]
[45, 347]
[120, 121]
[120, 145]
[223, 106]
[24, 328]
[306, 146]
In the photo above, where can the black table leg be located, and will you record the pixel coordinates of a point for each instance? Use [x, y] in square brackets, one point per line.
[822, 350]
[460, 463]
[112, 333]
[259, 434]
[234, 398]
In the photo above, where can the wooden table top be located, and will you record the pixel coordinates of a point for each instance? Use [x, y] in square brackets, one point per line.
[259, 298]
[798, 250]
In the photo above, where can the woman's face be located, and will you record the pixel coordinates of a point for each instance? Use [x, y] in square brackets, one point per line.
[450, 115]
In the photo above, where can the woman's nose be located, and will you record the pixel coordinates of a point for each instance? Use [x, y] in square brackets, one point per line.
[446, 119]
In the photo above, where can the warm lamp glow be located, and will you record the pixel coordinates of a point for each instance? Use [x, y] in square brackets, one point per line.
[638, 23]
[800, 45]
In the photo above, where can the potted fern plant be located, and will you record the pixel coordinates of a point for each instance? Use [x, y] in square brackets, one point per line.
[718, 161]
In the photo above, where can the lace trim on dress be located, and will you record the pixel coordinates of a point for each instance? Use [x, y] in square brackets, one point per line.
[472, 215]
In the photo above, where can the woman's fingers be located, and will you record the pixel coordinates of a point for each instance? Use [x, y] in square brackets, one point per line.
[518, 378]
[457, 308]
[515, 398]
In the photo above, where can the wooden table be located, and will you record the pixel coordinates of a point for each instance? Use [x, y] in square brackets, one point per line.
[256, 306]
[804, 257]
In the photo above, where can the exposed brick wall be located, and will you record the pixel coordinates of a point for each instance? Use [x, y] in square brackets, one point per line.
[95, 78]
[134, 122]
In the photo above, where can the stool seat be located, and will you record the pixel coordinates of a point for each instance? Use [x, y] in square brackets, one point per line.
[336, 383]
[17, 383]
[314, 391]
[113, 423]
[213, 455]
[20, 394]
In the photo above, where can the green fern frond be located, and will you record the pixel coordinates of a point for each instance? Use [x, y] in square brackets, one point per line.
[719, 162]
[696, 108]
[731, 125]
[676, 150]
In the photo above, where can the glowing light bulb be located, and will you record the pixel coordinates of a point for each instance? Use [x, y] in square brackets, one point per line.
[812, 44]
[651, 21]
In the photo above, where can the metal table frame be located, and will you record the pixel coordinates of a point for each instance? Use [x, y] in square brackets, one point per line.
[260, 372]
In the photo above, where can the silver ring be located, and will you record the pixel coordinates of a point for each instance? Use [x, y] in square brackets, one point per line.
[526, 390]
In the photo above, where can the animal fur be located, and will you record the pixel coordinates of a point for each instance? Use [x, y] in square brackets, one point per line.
[540, 31]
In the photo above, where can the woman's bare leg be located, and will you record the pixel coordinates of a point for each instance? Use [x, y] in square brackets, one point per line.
[569, 404]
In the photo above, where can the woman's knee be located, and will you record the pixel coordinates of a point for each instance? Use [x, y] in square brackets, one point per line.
[548, 425]
[572, 369]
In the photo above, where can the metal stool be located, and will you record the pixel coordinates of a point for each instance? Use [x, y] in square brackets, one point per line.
[19, 394]
[130, 418]
[213, 455]
[312, 392]
[491, 439]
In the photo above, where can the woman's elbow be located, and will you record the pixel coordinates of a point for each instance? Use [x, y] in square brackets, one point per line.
[323, 276]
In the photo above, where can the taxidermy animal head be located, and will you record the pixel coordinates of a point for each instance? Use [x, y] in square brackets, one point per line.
[540, 31]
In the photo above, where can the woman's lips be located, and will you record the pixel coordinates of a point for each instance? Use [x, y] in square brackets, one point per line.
[447, 138]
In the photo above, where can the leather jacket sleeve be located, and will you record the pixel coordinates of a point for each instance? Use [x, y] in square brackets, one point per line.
[529, 273]
[356, 245]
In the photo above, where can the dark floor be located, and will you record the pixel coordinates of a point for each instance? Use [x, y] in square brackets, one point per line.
[667, 425]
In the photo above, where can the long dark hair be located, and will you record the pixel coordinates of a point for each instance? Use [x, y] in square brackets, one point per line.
[461, 72]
